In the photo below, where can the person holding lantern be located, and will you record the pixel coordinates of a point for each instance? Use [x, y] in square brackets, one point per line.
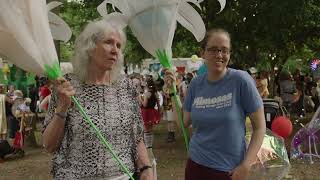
[217, 103]
[111, 102]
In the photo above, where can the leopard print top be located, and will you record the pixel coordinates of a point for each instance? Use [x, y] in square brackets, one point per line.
[115, 111]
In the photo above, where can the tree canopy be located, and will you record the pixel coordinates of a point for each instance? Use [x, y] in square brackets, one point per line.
[264, 33]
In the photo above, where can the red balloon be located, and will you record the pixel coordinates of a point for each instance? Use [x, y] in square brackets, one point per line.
[281, 126]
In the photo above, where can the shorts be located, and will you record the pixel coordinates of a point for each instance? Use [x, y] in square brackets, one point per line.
[150, 116]
[168, 115]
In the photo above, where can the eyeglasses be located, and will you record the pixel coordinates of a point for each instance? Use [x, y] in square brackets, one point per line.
[216, 51]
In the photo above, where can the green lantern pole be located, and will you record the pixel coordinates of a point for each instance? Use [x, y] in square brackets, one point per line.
[167, 63]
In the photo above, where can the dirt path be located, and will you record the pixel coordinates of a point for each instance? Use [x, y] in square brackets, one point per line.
[171, 159]
[35, 165]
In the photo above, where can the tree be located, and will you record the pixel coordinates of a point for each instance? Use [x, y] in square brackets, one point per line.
[76, 14]
[263, 32]
[270, 27]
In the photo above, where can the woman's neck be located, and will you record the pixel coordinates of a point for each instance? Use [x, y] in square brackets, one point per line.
[215, 76]
[98, 77]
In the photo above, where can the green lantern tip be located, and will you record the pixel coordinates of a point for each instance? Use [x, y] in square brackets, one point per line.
[53, 72]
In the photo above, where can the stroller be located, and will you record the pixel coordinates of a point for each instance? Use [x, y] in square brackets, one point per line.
[273, 109]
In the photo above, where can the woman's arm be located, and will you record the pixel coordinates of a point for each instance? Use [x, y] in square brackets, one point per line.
[186, 114]
[44, 102]
[258, 130]
[54, 131]
[140, 99]
[146, 96]
[186, 119]
[143, 160]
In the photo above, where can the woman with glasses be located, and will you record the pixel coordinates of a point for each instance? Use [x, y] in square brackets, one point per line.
[217, 103]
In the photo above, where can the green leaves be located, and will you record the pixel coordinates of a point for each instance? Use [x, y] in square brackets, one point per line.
[164, 58]
[301, 59]
[271, 27]
[53, 72]
[76, 14]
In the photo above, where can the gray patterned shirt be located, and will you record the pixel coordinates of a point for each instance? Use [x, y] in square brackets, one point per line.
[115, 111]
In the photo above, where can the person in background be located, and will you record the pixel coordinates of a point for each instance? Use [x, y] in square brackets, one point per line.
[316, 96]
[13, 123]
[3, 118]
[184, 86]
[288, 91]
[44, 91]
[150, 115]
[168, 112]
[11, 89]
[253, 73]
[137, 83]
[34, 95]
[309, 99]
[150, 110]
[18, 102]
[299, 98]
[21, 108]
[262, 85]
[261, 82]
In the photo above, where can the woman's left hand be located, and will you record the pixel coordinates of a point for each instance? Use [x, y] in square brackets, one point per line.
[169, 78]
[241, 172]
[146, 175]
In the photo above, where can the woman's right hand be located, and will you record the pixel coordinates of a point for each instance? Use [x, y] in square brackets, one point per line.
[64, 93]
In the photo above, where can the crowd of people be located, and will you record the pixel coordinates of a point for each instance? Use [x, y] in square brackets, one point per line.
[299, 93]
[18, 110]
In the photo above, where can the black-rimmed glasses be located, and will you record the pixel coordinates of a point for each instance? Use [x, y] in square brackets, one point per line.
[216, 51]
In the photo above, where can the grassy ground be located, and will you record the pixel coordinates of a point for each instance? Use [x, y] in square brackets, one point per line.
[171, 159]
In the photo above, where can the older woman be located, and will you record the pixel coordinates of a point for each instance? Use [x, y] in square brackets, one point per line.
[217, 103]
[109, 100]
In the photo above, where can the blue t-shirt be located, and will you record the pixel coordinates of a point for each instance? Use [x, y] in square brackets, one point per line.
[218, 111]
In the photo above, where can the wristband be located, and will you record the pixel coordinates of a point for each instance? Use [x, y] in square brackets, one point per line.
[144, 168]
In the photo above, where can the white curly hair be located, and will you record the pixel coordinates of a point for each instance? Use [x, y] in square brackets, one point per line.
[86, 42]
